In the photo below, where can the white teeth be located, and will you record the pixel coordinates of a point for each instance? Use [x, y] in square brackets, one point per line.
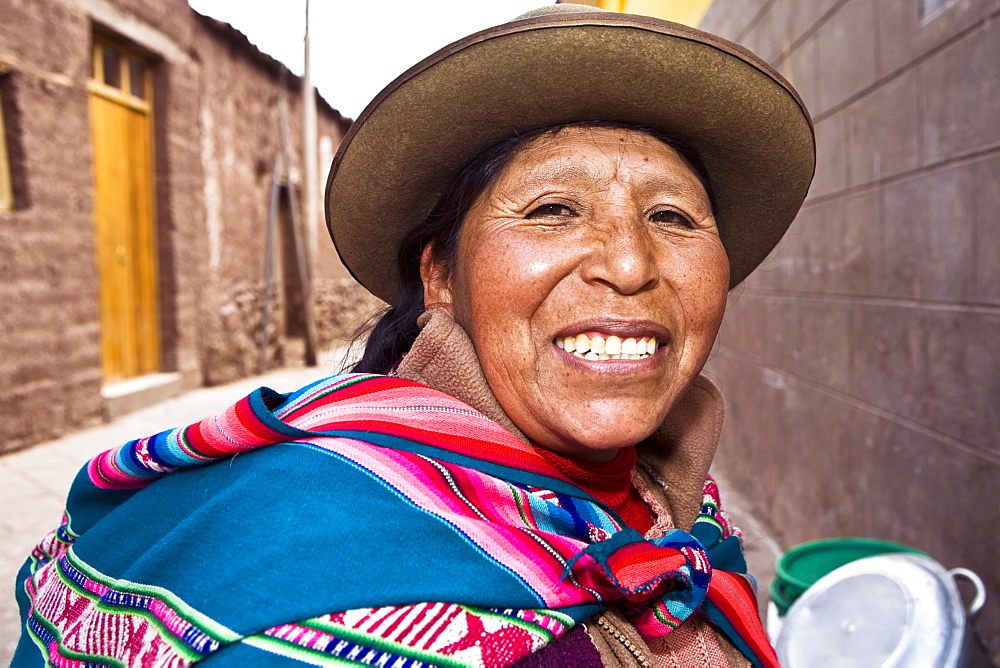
[612, 347]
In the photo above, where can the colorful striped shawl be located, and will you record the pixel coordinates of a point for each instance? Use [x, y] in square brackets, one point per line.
[447, 507]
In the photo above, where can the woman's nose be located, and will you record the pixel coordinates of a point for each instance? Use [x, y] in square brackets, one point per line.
[622, 259]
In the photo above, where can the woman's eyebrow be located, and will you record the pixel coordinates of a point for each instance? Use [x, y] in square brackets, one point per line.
[568, 173]
[674, 187]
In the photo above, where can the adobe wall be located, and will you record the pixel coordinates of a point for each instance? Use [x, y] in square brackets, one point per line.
[216, 136]
[50, 363]
[241, 138]
[860, 362]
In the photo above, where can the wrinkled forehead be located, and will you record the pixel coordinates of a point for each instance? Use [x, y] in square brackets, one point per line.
[599, 156]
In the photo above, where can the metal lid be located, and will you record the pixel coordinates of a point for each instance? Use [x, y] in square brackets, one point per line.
[887, 610]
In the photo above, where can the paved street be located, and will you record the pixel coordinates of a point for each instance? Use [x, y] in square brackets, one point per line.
[34, 482]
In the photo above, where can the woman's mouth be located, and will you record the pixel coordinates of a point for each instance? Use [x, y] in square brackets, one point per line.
[597, 346]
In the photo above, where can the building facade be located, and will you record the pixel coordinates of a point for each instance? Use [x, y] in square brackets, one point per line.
[688, 12]
[150, 236]
[861, 361]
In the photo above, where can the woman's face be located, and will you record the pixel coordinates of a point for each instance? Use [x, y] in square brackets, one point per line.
[588, 233]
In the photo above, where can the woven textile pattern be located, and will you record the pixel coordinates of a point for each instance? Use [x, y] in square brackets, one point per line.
[526, 553]
[431, 633]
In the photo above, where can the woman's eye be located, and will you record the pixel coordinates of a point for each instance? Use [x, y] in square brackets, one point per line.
[550, 210]
[671, 217]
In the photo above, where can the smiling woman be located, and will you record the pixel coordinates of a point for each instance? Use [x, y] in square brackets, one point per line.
[516, 470]
[597, 234]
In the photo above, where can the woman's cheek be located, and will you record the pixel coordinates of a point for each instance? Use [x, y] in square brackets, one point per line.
[706, 296]
[516, 266]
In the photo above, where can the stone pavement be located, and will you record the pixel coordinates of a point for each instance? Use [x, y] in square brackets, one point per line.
[34, 482]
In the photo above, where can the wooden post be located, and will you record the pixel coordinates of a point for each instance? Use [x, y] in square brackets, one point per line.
[272, 228]
[301, 252]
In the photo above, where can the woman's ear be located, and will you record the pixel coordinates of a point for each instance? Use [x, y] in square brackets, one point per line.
[437, 281]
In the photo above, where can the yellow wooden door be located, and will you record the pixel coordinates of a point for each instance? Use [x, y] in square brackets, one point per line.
[121, 128]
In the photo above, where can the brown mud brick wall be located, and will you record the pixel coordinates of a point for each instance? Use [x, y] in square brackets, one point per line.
[861, 362]
[217, 133]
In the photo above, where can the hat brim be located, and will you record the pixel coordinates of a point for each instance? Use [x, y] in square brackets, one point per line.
[746, 123]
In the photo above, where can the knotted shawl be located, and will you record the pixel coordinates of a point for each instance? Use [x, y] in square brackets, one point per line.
[362, 519]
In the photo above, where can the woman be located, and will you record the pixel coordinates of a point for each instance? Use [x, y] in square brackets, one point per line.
[556, 209]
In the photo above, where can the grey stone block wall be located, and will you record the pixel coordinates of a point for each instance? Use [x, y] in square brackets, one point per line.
[861, 362]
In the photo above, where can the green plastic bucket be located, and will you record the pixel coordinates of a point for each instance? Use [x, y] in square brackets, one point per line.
[806, 563]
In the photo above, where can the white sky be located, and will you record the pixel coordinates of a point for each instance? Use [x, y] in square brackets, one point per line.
[361, 45]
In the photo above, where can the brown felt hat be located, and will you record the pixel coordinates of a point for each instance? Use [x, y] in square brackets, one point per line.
[564, 64]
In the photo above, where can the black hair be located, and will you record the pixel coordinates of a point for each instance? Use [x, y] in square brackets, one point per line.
[391, 331]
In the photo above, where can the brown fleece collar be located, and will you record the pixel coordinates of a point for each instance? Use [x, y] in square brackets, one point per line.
[680, 451]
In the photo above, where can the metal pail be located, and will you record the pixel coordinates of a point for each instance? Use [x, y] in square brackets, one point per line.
[806, 563]
[889, 610]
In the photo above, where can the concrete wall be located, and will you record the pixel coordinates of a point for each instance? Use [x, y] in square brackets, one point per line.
[217, 133]
[861, 361]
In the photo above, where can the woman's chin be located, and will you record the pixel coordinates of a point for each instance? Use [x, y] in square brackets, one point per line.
[599, 453]
[599, 438]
